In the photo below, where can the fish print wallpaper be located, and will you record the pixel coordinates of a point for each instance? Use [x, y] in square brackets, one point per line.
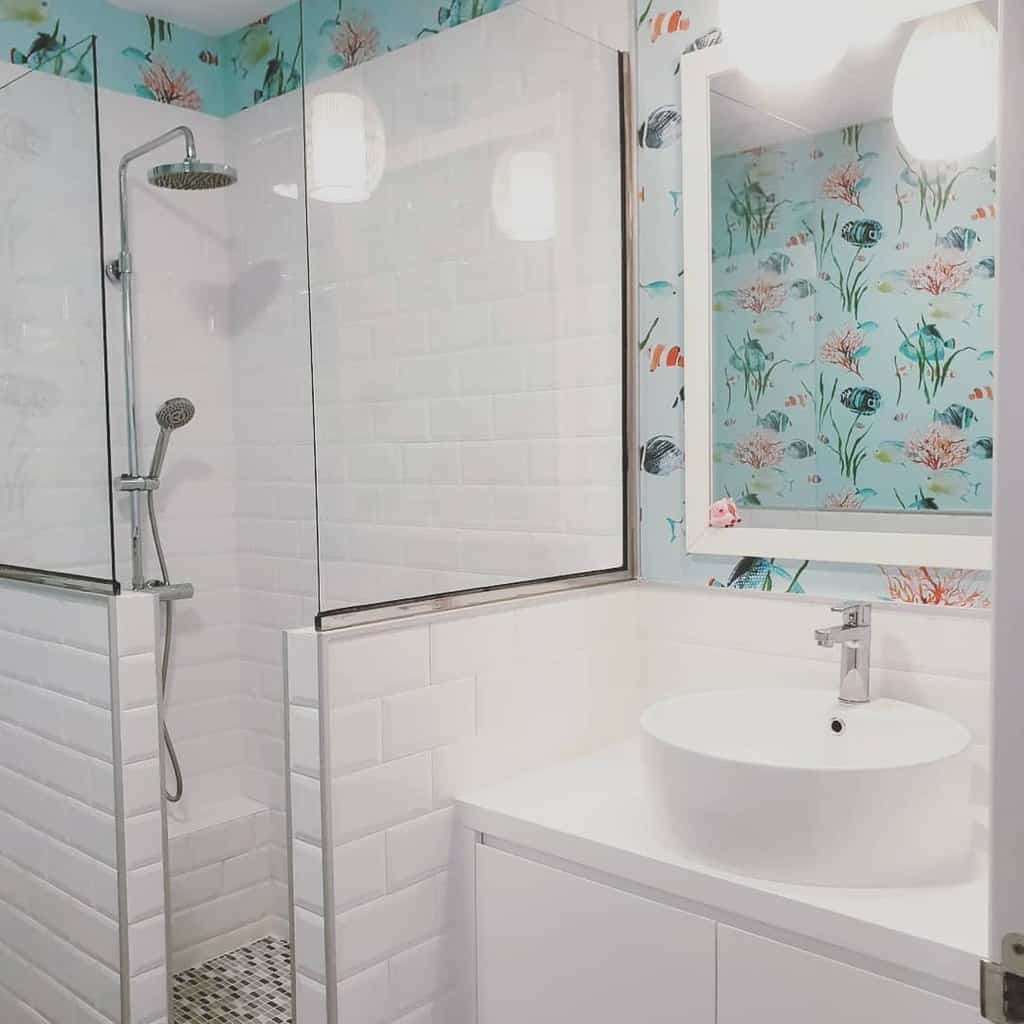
[136, 53]
[932, 275]
[854, 326]
[146, 56]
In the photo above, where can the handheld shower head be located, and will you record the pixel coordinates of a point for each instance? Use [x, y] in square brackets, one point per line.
[174, 413]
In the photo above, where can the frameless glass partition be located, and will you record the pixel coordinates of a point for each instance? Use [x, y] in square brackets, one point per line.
[467, 269]
[55, 490]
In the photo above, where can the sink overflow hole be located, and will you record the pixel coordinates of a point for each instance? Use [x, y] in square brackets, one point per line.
[838, 726]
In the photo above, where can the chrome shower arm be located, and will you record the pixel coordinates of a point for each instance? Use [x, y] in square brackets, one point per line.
[183, 132]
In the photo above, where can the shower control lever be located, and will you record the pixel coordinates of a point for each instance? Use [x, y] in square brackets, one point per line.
[171, 591]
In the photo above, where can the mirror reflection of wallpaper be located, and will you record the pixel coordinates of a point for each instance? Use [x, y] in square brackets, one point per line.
[853, 326]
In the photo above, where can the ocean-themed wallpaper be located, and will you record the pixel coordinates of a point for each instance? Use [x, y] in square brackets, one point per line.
[147, 56]
[854, 326]
[940, 276]
[136, 53]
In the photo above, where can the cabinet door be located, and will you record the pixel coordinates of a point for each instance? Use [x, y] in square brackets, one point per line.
[554, 948]
[768, 983]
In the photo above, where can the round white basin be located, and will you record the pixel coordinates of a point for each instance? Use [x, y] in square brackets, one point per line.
[791, 785]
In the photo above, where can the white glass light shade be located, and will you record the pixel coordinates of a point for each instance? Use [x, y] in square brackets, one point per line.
[523, 196]
[947, 88]
[785, 41]
[347, 148]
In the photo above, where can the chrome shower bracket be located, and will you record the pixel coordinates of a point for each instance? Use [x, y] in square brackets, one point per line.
[136, 483]
[116, 268]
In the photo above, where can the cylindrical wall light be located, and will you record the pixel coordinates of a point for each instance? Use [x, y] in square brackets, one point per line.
[523, 196]
[947, 86]
[347, 148]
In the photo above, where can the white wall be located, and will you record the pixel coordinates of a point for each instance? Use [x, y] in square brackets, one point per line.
[469, 385]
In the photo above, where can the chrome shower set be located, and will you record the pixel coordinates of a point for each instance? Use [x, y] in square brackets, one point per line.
[189, 175]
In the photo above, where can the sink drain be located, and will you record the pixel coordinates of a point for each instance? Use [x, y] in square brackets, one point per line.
[837, 726]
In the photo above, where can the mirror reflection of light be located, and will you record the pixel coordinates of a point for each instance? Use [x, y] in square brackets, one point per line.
[785, 41]
[946, 94]
[347, 148]
[524, 196]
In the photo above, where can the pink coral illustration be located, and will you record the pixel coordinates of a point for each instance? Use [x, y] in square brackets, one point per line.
[762, 296]
[760, 449]
[356, 39]
[170, 86]
[847, 501]
[954, 588]
[845, 183]
[940, 273]
[941, 446]
[844, 349]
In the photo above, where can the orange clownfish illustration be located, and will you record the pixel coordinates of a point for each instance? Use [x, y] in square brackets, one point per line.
[674, 356]
[666, 23]
[981, 393]
[984, 212]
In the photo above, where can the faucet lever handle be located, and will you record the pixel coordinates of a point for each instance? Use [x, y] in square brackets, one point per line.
[854, 613]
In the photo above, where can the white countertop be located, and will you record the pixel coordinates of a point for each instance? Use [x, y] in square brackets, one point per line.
[594, 812]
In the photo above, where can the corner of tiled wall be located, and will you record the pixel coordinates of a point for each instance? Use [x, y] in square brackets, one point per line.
[138, 753]
[308, 877]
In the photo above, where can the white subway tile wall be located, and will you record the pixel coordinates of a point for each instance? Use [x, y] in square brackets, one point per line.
[59, 938]
[469, 383]
[406, 731]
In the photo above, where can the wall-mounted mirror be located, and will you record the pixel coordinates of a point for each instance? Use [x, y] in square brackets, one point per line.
[840, 284]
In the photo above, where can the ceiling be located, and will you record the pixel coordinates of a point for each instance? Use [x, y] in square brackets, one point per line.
[213, 17]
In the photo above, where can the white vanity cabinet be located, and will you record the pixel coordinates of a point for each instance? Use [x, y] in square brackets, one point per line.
[554, 948]
[771, 983]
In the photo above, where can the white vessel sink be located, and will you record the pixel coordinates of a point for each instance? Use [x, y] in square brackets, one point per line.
[791, 785]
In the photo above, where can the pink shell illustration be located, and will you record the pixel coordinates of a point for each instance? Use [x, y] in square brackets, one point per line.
[723, 514]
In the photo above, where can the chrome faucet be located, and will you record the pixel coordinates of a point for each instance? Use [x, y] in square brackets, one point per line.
[855, 665]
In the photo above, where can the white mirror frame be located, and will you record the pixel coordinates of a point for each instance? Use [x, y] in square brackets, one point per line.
[823, 536]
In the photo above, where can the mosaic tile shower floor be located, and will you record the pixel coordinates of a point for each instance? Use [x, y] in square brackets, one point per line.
[251, 985]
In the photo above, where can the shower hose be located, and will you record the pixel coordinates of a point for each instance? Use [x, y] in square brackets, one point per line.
[165, 658]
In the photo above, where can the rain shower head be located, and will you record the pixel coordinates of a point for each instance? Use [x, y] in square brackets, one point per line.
[193, 176]
[174, 413]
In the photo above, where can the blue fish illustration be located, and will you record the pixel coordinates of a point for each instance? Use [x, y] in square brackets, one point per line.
[659, 288]
[961, 239]
[663, 126]
[661, 456]
[958, 416]
[983, 448]
[863, 401]
[759, 574]
[776, 263]
[863, 233]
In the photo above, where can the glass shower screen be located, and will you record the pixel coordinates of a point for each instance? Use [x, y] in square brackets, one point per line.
[467, 247]
[55, 498]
